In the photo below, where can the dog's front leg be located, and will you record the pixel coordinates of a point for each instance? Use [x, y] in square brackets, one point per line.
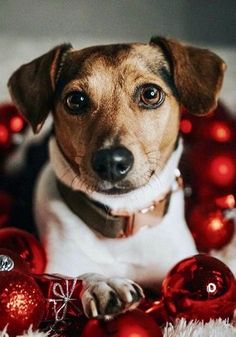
[104, 297]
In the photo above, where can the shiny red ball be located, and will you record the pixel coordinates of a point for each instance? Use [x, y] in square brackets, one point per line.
[157, 311]
[21, 302]
[26, 246]
[222, 169]
[11, 122]
[200, 288]
[131, 324]
[210, 227]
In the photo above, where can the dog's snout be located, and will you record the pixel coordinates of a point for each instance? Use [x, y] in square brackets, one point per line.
[112, 164]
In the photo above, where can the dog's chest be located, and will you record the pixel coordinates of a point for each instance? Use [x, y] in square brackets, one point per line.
[74, 249]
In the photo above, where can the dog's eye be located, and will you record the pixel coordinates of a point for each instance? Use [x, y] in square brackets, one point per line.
[76, 102]
[151, 96]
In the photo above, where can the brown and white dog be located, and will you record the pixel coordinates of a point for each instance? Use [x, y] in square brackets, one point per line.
[108, 205]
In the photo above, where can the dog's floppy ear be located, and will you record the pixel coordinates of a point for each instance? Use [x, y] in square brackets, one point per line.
[197, 73]
[32, 85]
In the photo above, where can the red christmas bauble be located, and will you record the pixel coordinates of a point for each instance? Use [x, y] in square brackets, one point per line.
[21, 302]
[200, 288]
[26, 246]
[11, 122]
[131, 324]
[15, 261]
[157, 311]
[210, 227]
[222, 169]
[216, 127]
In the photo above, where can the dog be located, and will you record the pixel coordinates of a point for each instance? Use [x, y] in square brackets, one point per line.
[109, 204]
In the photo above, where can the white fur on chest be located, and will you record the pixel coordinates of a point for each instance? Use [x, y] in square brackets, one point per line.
[74, 249]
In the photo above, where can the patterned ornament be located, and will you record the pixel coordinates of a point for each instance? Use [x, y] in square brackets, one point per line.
[62, 296]
[26, 246]
[200, 288]
[21, 302]
[130, 324]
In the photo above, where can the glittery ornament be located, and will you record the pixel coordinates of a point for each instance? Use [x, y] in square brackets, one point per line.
[200, 288]
[210, 226]
[130, 324]
[25, 245]
[21, 302]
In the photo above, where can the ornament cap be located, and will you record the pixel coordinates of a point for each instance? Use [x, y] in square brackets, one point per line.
[6, 263]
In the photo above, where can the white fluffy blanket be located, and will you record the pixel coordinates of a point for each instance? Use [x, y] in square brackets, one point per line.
[214, 328]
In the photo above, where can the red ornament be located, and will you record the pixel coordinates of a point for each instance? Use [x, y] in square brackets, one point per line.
[186, 126]
[21, 302]
[62, 296]
[216, 127]
[157, 311]
[200, 288]
[210, 227]
[26, 246]
[131, 324]
[4, 136]
[220, 131]
[226, 201]
[17, 262]
[222, 169]
[11, 122]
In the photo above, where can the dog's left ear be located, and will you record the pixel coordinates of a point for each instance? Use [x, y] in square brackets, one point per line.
[197, 73]
[32, 85]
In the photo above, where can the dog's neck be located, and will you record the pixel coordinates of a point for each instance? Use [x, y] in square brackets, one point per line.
[158, 186]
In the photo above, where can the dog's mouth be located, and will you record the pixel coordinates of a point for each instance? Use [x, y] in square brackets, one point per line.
[117, 190]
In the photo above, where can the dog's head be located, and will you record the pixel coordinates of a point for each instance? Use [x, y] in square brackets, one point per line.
[116, 108]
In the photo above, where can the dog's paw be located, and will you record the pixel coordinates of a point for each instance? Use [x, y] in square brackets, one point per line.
[105, 297]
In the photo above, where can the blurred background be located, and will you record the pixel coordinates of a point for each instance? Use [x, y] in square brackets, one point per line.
[29, 28]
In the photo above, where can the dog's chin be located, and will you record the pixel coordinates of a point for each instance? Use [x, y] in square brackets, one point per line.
[117, 190]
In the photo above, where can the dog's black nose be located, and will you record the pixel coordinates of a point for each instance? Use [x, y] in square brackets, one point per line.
[112, 164]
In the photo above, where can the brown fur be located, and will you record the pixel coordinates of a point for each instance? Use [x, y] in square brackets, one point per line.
[198, 74]
[110, 76]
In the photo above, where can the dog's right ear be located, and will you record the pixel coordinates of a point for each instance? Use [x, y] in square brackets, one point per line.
[32, 85]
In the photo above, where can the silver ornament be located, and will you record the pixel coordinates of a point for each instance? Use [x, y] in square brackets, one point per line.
[6, 263]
